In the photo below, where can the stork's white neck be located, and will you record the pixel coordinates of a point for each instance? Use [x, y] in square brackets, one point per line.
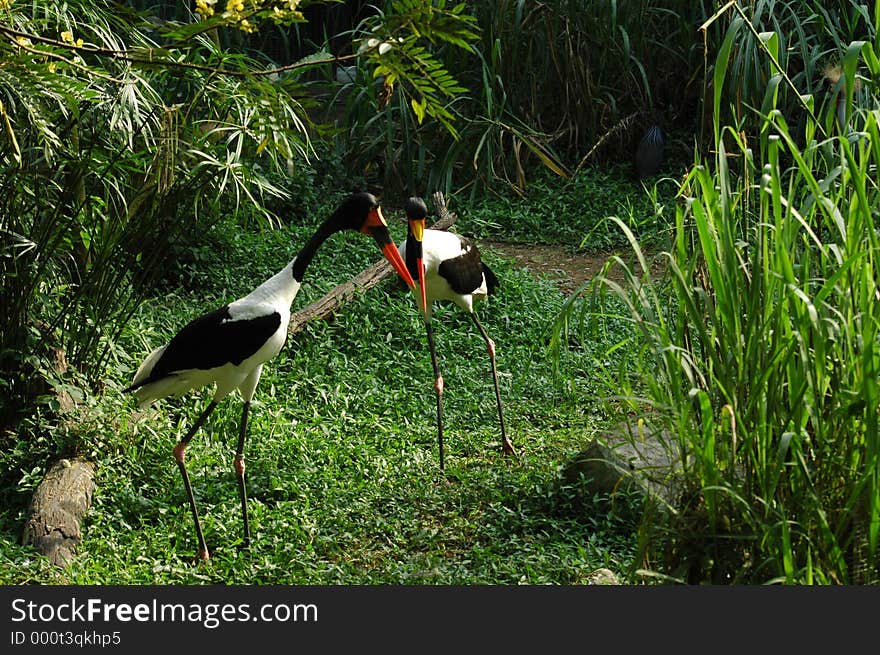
[284, 285]
[280, 288]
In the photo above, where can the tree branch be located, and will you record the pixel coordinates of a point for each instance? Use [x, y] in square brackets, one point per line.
[366, 279]
[157, 57]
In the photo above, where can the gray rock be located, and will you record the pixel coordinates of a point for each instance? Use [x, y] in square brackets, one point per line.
[630, 459]
[602, 577]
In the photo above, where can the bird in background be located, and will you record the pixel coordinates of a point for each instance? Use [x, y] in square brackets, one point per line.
[228, 346]
[649, 152]
[447, 266]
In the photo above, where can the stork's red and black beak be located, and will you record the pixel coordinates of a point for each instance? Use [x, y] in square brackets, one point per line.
[417, 230]
[376, 227]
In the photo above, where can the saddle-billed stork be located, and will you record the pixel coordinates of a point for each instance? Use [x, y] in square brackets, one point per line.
[229, 345]
[447, 266]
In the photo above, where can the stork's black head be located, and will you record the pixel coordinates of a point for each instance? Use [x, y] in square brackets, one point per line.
[354, 212]
[361, 212]
[416, 209]
[416, 213]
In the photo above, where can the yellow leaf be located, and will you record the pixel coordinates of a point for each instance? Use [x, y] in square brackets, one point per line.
[546, 159]
[419, 109]
[10, 133]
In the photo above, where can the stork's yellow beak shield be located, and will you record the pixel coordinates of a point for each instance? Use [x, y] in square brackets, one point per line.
[418, 228]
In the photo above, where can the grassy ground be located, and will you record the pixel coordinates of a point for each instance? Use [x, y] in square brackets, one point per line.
[574, 212]
[342, 463]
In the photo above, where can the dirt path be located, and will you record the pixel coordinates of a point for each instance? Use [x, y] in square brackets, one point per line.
[567, 269]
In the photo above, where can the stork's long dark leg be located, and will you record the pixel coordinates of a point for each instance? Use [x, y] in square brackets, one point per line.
[239, 471]
[180, 456]
[506, 446]
[438, 389]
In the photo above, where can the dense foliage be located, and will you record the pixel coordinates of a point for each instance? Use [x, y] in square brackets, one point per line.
[758, 353]
[139, 143]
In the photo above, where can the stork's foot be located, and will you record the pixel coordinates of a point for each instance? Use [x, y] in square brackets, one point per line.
[507, 447]
[204, 556]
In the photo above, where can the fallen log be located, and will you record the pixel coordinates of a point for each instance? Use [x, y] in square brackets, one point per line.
[366, 279]
[57, 508]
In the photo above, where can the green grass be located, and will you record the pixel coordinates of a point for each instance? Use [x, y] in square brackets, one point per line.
[342, 463]
[575, 212]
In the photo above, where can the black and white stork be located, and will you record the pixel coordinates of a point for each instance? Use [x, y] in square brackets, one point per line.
[447, 266]
[229, 345]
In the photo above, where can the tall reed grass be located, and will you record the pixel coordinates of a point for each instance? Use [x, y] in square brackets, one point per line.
[758, 353]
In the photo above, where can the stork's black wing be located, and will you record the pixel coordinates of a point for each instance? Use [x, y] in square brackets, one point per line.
[212, 340]
[491, 279]
[465, 272]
